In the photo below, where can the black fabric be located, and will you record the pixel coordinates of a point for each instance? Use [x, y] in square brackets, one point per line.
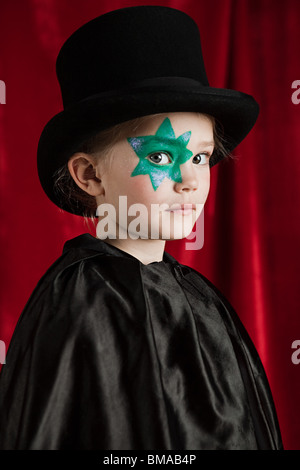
[110, 353]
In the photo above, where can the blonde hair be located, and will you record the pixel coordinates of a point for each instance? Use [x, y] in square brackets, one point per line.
[100, 146]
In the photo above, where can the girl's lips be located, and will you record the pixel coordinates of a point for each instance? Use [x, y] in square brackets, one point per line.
[183, 209]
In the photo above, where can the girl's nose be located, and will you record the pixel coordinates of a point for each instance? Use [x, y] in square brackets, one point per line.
[189, 178]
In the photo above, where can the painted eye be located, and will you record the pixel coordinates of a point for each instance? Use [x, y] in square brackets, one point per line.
[201, 158]
[160, 158]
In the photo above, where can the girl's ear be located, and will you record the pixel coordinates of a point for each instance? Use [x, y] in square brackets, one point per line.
[83, 170]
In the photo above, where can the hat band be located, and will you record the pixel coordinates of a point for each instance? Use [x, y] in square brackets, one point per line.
[159, 82]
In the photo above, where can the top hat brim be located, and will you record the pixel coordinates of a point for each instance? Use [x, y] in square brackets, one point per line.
[237, 113]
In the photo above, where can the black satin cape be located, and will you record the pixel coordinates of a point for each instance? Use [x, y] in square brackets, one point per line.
[110, 353]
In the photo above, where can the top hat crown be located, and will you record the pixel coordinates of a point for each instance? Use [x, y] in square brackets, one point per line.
[127, 46]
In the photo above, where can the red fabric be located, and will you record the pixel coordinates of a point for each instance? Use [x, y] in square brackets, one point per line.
[252, 225]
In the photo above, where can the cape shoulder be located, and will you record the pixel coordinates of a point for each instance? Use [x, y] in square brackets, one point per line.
[74, 284]
[65, 342]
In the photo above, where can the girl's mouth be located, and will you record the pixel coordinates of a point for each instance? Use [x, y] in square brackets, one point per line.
[184, 209]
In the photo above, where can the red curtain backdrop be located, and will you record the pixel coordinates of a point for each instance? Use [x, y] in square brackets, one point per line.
[252, 229]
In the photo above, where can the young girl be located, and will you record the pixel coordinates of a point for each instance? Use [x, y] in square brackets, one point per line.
[120, 346]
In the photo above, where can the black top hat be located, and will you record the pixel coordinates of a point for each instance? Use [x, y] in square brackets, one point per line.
[129, 63]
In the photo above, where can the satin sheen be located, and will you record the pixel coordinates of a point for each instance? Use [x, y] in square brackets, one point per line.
[113, 354]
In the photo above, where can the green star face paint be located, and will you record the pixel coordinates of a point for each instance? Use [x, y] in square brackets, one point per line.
[163, 142]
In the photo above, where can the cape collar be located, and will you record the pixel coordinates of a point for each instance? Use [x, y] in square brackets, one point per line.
[87, 241]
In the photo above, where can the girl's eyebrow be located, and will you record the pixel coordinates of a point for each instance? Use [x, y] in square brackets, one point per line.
[207, 143]
[201, 143]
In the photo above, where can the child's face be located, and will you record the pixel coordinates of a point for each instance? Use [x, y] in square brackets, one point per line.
[163, 164]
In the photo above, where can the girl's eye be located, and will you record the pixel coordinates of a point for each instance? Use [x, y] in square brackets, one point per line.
[160, 158]
[201, 158]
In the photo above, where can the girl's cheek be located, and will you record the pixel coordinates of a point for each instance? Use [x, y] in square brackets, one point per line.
[141, 185]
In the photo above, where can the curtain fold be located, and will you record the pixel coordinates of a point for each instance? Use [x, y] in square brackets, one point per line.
[251, 219]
